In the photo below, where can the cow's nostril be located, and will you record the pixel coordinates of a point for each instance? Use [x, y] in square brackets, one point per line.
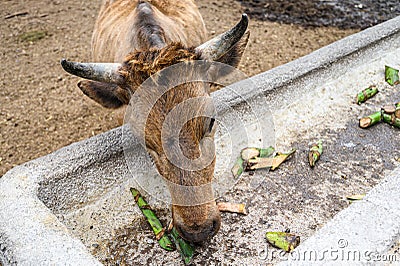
[178, 228]
[215, 226]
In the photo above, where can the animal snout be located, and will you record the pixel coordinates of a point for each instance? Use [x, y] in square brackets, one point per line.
[198, 233]
[197, 223]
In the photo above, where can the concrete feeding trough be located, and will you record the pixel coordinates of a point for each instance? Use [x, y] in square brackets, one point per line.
[73, 207]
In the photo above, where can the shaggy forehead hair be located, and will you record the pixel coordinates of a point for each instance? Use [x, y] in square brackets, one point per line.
[140, 65]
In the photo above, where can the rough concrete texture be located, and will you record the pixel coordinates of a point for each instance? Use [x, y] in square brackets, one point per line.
[73, 206]
[30, 233]
[361, 234]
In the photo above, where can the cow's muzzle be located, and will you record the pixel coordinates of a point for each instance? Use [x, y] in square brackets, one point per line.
[193, 228]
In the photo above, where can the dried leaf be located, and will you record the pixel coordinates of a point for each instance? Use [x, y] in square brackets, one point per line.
[250, 153]
[355, 197]
[232, 207]
[274, 163]
[238, 169]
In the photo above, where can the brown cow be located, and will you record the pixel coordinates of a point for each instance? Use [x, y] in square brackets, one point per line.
[144, 37]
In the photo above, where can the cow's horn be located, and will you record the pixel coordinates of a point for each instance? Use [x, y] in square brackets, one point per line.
[103, 72]
[221, 44]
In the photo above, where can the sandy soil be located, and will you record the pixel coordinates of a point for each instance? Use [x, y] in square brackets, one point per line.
[42, 110]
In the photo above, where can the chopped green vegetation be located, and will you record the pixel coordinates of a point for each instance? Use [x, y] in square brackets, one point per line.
[391, 75]
[283, 240]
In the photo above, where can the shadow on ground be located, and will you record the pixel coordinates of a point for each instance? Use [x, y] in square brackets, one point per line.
[352, 14]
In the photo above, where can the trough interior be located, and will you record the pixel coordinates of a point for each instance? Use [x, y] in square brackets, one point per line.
[94, 201]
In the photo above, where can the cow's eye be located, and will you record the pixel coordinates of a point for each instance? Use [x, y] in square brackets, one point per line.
[211, 126]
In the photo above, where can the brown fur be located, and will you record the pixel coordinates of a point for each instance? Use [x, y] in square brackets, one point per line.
[153, 35]
[196, 223]
[140, 65]
[180, 20]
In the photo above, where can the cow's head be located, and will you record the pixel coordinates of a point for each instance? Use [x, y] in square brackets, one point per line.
[113, 84]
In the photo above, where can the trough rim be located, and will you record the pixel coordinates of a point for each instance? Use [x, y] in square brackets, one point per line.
[15, 181]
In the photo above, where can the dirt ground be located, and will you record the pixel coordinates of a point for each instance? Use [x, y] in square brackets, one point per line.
[41, 108]
[349, 14]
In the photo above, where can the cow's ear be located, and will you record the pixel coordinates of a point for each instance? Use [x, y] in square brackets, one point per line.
[107, 94]
[234, 55]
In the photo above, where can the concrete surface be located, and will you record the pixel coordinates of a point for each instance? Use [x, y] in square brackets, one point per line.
[73, 206]
[361, 234]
